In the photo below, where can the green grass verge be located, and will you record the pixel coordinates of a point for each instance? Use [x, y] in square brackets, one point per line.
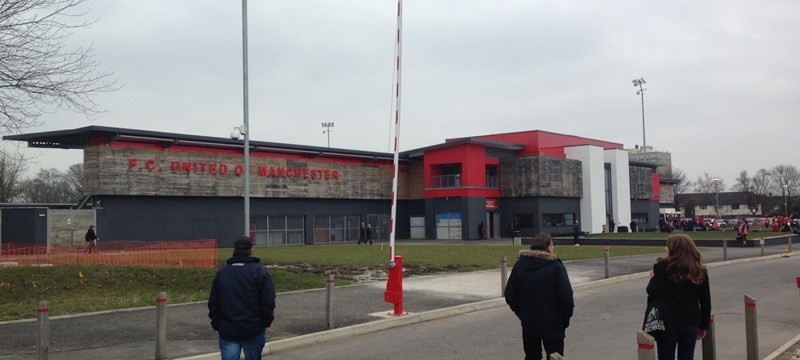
[78, 289]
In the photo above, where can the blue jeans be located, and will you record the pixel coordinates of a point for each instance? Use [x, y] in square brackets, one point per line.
[231, 350]
[684, 337]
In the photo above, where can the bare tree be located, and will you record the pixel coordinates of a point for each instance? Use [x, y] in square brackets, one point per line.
[37, 70]
[709, 184]
[74, 178]
[744, 184]
[786, 181]
[681, 185]
[11, 168]
[49, 186]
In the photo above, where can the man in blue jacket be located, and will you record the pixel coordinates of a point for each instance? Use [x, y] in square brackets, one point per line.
[242, 303]
[540, 294]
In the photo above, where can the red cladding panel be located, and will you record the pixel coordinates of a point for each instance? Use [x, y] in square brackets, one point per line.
[541, 143]
[656, 187]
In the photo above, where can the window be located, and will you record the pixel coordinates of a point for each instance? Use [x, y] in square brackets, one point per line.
[523, 221]
[735, 206]
[558, 219]
[278, 230]
[491, 176]
[639, 218]
[336, 228]
[703, 207]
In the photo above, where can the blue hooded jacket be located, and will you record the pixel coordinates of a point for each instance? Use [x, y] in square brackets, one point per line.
[540, 294]
[242, 300]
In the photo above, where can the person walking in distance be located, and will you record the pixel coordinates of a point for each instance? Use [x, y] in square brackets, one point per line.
[742, 231]
[91, 240]
[362, 233]
[681, 280]
[242, 303]
[576, 232]
[369, 234]
[540, 294]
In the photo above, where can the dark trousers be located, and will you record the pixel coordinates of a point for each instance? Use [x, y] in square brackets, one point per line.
[684, 337]
[533, 346]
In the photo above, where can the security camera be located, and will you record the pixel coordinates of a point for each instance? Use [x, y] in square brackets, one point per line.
[235, 134]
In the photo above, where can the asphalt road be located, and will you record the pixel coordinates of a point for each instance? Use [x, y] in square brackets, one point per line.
[604, 326]
[129, 334]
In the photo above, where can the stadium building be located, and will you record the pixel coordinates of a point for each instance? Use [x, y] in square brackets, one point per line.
[147, 185]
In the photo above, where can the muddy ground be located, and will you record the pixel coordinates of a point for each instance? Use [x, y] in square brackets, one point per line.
[365, 274]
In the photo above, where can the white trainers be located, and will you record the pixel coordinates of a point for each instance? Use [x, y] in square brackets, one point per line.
[577, 244]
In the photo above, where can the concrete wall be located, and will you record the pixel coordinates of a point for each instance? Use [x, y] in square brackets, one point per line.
[68, 227]
[115, 170]
[641, 182]
[540, 176]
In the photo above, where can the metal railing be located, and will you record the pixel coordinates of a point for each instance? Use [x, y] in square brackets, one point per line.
[446, 181]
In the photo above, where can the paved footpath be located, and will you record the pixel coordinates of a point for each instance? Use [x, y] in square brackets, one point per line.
[129, 334]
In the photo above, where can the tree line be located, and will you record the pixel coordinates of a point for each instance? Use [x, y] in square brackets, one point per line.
[759, 190]
[47, 186]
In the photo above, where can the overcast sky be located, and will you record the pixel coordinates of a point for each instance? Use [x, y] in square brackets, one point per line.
[723, 77]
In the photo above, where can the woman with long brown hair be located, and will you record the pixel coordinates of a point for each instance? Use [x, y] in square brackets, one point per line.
[681, 280]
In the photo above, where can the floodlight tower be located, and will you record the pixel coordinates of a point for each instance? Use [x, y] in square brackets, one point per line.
[640, 83]
[328, 126]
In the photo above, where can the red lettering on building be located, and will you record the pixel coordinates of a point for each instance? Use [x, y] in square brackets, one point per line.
[298, 173]
[223, 169]
[131, 163]
[327, 174]
[150, 165]
[262, 171]
[212, 169]
[305, 173]
[238, 170]
[335, 175]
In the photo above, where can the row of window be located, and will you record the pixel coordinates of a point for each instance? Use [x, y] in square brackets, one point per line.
[290, 229]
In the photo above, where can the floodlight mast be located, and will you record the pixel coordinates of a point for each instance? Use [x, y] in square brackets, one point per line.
[640, 83]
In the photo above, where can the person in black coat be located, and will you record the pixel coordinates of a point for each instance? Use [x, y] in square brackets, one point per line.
[241, 305]
[681, 280]
[540, 294]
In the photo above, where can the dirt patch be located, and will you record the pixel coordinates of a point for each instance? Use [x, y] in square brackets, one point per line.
[364, 274]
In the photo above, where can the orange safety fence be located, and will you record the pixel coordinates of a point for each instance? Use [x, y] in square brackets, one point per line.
[194, 253]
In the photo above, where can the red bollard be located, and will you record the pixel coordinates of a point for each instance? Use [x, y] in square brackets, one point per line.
[394, 286]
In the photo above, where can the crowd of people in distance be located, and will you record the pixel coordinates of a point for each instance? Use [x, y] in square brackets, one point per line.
[776, 224]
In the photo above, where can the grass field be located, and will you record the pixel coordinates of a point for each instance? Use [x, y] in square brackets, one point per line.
[78, 289]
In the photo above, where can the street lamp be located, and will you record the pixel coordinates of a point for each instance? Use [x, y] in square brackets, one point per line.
[328, 126]
[716, 189]
[640, 82]
[245, 128]
[785, 204]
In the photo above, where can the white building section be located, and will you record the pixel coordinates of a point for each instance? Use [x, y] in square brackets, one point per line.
[620, 186]
[592, 171]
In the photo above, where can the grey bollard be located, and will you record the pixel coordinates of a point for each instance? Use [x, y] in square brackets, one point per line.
[709, 343]
[646, 346]
[751, 327]
[503, 276]
[329, 284]
[161, 326]
[606, 257]
[43, 318]
[761, 240]
[724, 249]
[556, 356]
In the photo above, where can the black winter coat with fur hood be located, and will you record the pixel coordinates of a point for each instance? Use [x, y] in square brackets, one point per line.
[540, 294]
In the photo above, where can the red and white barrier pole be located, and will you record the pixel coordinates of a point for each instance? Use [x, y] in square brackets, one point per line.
[394, 285]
